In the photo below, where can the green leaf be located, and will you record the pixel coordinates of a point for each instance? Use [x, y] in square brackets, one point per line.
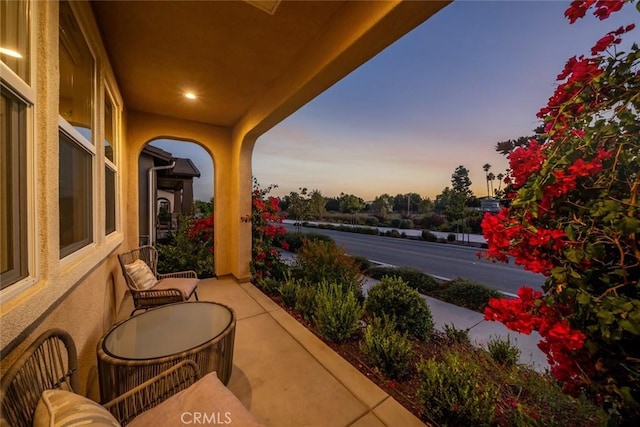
[583, 299]
[629, 225]
[628, 326]
[574, 255]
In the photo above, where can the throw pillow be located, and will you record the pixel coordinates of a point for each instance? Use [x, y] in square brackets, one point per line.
[60, 408]
[141, 275]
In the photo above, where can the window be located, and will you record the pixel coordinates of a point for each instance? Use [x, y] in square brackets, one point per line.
[13, 190]
[16, 96]
[110, 170]
[14, 37]
[77, 152]
[110, 200]
[76, 75]
[76, 222]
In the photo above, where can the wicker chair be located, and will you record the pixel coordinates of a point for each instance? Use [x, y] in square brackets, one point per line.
[51, 363]
[170, 288]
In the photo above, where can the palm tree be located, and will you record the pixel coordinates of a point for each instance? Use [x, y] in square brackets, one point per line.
[490, 178]
[486, 168]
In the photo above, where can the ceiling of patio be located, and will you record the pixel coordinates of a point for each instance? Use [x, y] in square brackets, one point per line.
[228, 53]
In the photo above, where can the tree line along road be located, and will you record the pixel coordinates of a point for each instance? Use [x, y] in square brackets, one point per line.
[437, 259]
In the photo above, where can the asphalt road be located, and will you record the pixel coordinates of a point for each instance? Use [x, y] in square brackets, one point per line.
[442, 260]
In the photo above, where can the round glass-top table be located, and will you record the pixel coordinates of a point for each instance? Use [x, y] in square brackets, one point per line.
[144, 345]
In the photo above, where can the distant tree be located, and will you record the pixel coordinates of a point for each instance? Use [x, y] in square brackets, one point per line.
[299, 207]
[332, 204]
[461, 182]
[426, 206]
[382, 205]
[350, 204]
[490, 178]
[486, 169]
[317, 203]
[202, 208]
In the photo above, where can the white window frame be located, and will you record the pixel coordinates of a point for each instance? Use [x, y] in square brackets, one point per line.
[115, 146]
[26, 91]
[89, 146]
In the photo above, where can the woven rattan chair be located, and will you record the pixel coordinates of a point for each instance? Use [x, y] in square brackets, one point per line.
[51, 363]
[170, 288]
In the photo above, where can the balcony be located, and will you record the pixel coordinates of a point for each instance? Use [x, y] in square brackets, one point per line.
[285, 375]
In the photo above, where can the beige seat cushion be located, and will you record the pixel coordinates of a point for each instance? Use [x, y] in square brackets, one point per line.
[186, 285]
[141, 275]
[207, 402]
[60, 408]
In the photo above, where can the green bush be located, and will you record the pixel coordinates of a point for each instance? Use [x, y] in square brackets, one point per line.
[429, 236]
[362, 262]
[306, 301]
[394, 298]
[389, 350]
[469, 294]
[455, 335]
[289, 289]
[392, 233]
[319, 261]
[452, 390]
[337, 311]
[451, 237]
[503, 352]
[268, 285]
[406, 224]
[416, 279]
[372, 221]
[187, 250]
[296, 240]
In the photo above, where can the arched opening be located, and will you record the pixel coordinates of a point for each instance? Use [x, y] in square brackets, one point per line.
[175, 187]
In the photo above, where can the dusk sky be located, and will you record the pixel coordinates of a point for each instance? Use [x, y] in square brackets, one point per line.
[474, 74]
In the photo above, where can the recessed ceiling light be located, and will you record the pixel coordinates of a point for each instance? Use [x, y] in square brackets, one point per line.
[10, 52]
[190, 95]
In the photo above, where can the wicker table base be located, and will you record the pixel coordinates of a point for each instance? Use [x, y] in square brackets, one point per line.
[142, 346]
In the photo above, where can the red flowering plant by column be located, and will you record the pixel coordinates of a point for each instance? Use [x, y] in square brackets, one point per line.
[266, 227]
[574, 216]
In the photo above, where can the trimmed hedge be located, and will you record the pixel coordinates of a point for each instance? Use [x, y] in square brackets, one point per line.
[416, 279]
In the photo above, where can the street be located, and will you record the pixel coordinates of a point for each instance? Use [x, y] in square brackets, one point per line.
[442, 260]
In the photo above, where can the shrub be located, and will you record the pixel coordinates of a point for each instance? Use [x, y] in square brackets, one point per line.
[416, 279]
[392, 233]
[319, 261]
[269, 285]
[429, 236]
[453, 390]
[389, 350]
[337, 311]
[394, 298]
[503, 352]
[306, 301]
[362, 262]
[190, 247]
[289, 289]
[406, 224]
[451, 237]
[372, 221]
[296, 240]
[395, 222]
[455, 335]
[469, 294]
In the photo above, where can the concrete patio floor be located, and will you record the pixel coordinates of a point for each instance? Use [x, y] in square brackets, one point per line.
[286, 376]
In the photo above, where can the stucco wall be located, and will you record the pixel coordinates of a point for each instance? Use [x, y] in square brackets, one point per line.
[77, 293]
